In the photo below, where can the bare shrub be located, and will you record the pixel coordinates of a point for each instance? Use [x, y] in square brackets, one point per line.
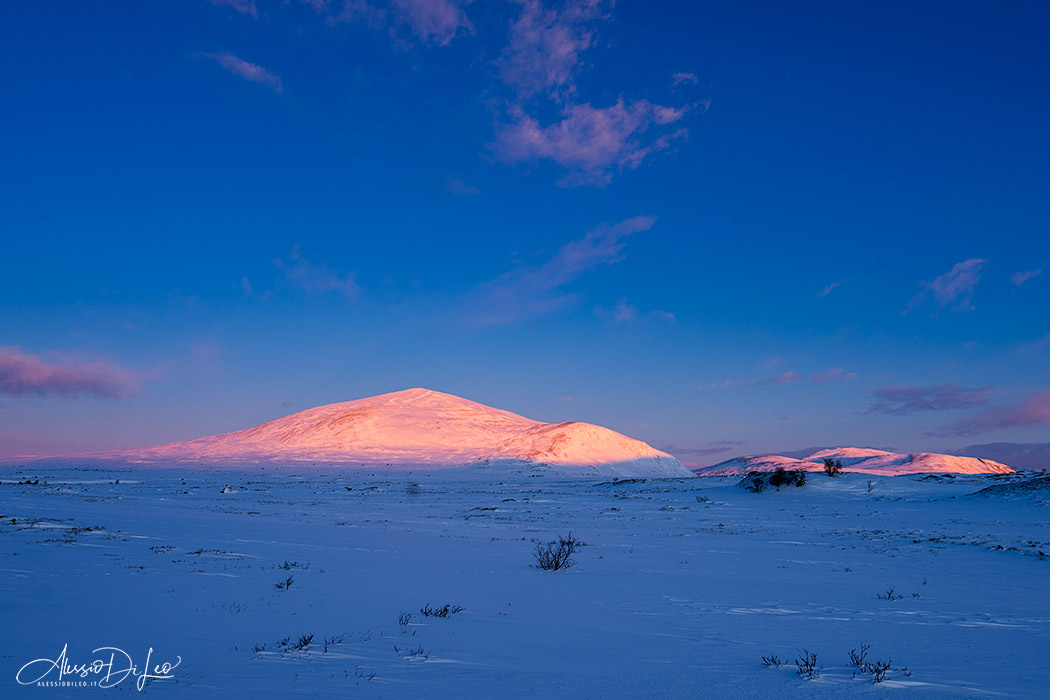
[878, 670]
[772, 661]
[807, 665]
[856, 658]
[446, 610]
[890, 594]
[303, 643]
[832, 467]
[557, 555]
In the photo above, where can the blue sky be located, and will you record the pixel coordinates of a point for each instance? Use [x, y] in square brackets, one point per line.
[726, 229]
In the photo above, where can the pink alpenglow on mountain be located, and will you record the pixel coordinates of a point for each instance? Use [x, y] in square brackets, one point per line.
[863, 460]
[421, 429]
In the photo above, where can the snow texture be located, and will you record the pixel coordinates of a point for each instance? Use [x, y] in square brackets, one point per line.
[680, 589]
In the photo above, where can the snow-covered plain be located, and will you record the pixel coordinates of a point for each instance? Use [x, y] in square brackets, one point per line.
[682, 587]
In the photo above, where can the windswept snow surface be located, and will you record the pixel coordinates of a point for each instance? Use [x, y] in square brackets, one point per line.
[682, 587]
[419, 428]
[862, 460]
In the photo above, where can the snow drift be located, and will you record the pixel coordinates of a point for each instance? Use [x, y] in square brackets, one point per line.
[863, 460]
[420, 428]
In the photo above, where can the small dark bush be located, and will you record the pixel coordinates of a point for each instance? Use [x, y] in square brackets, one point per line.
[778, 478]
[754, 482]
[285, 584]
[890, 594]
[773, 661]
[857, 658]
[332, 641]
[557, 555]
[303, 642]
[878, 670]
[444, 611]
[832, 467]
[807, 665]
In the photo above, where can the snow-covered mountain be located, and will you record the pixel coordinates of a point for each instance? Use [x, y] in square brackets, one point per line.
[420, 428]
[863, 460]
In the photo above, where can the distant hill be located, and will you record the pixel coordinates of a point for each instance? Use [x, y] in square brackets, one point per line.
[418, 428]
[860, 459]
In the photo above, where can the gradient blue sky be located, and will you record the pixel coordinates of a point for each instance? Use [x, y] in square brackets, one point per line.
[725, 228]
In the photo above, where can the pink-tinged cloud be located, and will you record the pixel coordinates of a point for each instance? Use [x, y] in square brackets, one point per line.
[684, 79]
[1033, 410]
[589, 142]
[245, 7]
[459, 188]
[543, 55]
[901, 400]
[727, 384]
[359, 11]
[828, 289]
[248, 71]
[624, 312]
[317, 277]
[1020, 278]
[954, 288]
[434, 22]
[788, 377]
[539, 289]
[833, 374]
[26, 374]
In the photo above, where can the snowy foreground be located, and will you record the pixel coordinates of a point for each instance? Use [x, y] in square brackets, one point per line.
[683, 585]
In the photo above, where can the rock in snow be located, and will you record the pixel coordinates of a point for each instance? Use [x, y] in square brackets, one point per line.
[419, 428]
[863, 460]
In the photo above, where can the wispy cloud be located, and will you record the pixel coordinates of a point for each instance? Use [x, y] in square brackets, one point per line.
[248, 71]
[537, 112]
[359, 11]
[27, 374]
[543, 54]
[1031, 410]
[245, 7]
[725, 384]
[624, 312]
[684, 79]
[316, 277]
[833, 374]
[590, 143]
[828, 289]
[902, 400]
[1020, 278]
[434, 22]
[788, 377]
[539, 289]
[954, 288]
[459, 188]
